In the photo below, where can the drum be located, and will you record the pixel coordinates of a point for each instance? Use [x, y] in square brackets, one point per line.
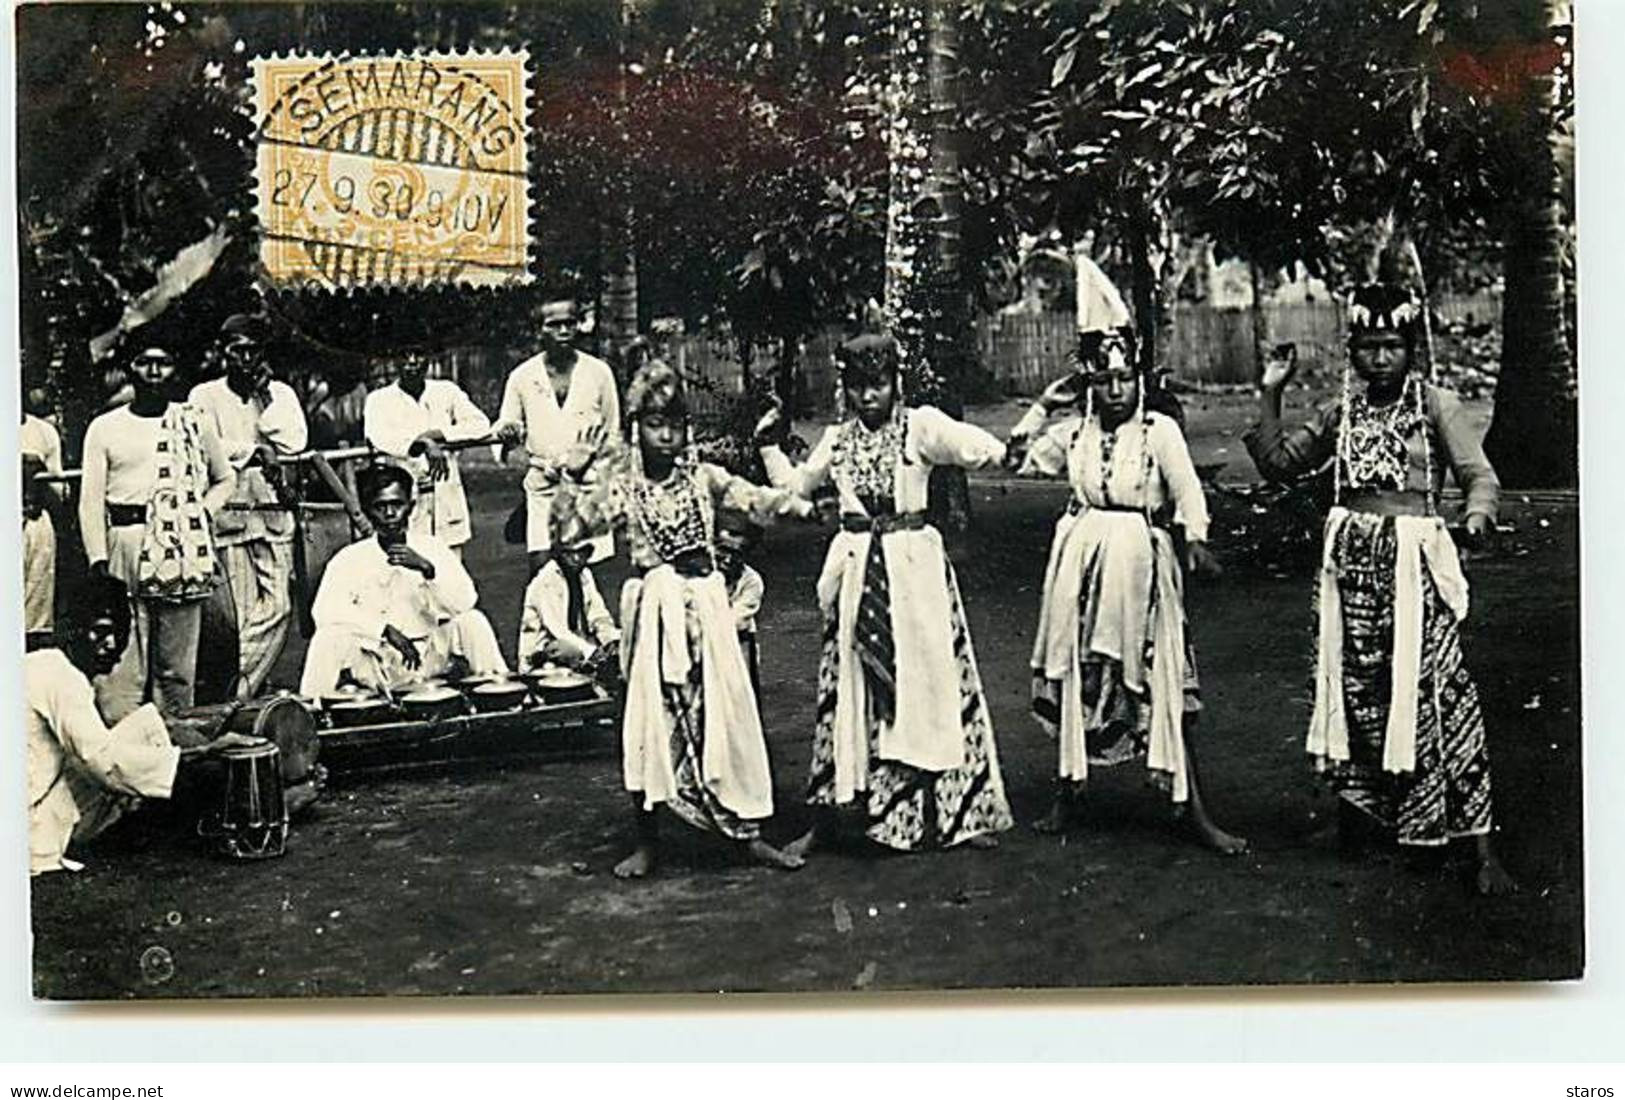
[281, 719]
[252, 822]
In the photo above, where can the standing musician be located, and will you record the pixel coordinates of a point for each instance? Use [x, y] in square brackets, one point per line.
[260, 420]
[412, 419]
[563, 406]
[398, 608]
[155, 472]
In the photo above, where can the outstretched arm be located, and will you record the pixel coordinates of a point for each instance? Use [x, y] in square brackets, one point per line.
[944, 441]
[760, 503]
[806, 478]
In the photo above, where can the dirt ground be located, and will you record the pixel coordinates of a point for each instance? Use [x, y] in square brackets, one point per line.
[493, 878]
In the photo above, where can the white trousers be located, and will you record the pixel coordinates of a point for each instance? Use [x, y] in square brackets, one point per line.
[374, 663]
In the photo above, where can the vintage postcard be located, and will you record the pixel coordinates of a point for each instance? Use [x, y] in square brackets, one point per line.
[642, 496]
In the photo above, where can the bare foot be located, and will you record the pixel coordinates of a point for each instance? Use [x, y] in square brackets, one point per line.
[1210, 836]
[983, 842]
[1493, 880]
[1056, 821]
[638, 864]
[767, 855]
[300, 798]
[804, 844]
[1226, 844]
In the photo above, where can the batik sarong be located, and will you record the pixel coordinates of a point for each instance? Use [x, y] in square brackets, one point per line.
[909, 808]
[1447, 793]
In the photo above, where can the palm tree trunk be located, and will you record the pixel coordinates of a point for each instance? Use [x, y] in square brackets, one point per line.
[1533, 438]
[618, 323]
[950, 338]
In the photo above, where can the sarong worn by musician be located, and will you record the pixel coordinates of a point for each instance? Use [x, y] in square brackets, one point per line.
[155, 471]
[1397, 724]
[902, 719]
[397, 608]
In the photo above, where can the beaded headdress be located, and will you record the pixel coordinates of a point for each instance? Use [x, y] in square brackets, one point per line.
[1370, 449]
[566, 526]
[655, 388]
[1384, 307]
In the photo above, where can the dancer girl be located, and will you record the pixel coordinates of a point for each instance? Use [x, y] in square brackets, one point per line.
[889, 724]
[1114, 675]
[1396, 722]
[691, 735]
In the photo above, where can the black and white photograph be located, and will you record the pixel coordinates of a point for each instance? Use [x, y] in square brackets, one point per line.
[797, 496]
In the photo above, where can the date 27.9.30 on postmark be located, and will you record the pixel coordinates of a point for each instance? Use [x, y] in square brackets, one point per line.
[392, 171]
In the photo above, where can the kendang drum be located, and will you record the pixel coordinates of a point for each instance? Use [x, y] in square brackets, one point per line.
[252, 822]
[281, 719]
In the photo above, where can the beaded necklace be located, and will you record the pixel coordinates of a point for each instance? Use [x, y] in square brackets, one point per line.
[1372, 447]
[865, 462]
[675, 514]
[1108, 450]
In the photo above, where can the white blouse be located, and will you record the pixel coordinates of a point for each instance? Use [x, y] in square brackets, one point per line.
[932, 438]
[1073, 448]
[242, 426]
[73, 755]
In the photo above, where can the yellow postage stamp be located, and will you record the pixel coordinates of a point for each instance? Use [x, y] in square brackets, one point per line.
[393, 171]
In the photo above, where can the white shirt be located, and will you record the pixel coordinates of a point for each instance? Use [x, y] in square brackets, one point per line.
[393, 420]
[362, 591]
[73, 756]
[121, 467]
[40, 437]
[551, 427]
[745, 597]
[547, 615]
[243, 425]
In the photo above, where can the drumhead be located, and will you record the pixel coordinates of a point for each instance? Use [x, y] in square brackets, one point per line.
[249, 752]
[292, 727]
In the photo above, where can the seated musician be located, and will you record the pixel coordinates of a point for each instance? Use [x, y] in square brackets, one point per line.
[398, 608]
[565, 620]
[83, 776]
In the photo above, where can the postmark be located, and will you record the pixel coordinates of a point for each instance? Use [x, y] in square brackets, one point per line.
[397, 171]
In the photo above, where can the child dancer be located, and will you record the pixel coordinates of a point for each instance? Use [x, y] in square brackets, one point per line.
[691, 736]
[1113, 673]
[565, 620]
[901, 715]
[1396, 722]
[737, 539]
